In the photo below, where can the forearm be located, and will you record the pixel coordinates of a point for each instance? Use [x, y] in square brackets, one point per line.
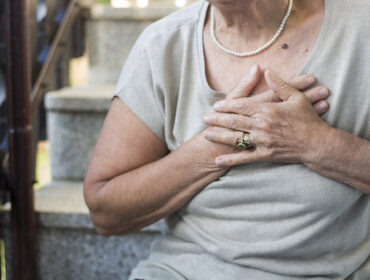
[343, 157]
[142, 196]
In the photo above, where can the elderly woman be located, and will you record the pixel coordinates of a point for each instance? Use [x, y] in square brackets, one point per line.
[215, 125]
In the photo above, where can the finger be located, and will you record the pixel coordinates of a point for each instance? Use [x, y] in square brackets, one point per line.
[316, 94]
[241, 106]
[302, 82]
[239, 158]
[321, 107]
[247, 83]
[223, 135]
[280, 87]
[230, 121]
[267, 96]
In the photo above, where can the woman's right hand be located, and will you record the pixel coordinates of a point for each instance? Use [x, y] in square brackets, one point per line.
[245, 88]
[303, 83]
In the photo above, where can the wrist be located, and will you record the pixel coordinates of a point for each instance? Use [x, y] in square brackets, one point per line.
[200, 154]
[320, 145]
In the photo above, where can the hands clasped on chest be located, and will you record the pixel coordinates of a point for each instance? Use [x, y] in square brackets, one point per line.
[283, 122]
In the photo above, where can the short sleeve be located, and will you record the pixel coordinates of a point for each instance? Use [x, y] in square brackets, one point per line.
[135, 88]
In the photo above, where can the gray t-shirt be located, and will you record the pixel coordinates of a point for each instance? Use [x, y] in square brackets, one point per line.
[262, 221]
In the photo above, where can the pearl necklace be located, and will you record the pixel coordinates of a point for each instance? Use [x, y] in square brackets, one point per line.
[260, 49]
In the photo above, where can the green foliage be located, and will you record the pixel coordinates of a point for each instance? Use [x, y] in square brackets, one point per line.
[103, 1]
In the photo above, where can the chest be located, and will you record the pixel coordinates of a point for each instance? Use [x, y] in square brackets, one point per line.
[286, 57]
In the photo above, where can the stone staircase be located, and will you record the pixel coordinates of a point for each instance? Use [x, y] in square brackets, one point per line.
[68, 246]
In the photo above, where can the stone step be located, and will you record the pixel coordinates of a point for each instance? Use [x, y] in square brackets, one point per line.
[111, 33]
[75, 117]
[68, 246]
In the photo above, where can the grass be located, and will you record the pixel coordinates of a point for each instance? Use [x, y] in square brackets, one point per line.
[2, 252]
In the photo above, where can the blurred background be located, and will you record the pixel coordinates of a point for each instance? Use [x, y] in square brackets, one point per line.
[77, 49]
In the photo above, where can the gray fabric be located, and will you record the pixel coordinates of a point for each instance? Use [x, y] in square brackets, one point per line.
[151, 270]
[260, 221]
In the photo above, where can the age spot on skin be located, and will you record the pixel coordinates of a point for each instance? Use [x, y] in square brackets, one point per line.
[284, 46]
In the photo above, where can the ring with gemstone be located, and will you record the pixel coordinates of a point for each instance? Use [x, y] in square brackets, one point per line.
[245, 143]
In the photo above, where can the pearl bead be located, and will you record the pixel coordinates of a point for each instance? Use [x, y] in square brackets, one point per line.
[260, 49]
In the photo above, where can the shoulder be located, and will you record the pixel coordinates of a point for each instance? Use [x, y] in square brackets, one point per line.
[175, 28]
[350, 22]
[352, 12]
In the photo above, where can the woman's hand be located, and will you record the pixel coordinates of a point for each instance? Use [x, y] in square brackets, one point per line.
[316, 95]
[281, 132]
[243, 91]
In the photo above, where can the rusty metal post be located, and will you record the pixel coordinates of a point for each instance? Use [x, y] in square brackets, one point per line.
[20, 140]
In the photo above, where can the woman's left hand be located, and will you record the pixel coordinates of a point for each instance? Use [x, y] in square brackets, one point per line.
[290, 131]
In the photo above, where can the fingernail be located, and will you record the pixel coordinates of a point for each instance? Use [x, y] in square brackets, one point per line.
[311, 79]
[323, 106]
[323, 92]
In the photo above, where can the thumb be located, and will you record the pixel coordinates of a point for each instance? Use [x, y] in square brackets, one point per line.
[280, 87]
[247, 83]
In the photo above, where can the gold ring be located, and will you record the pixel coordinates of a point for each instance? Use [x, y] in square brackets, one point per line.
[245, 143]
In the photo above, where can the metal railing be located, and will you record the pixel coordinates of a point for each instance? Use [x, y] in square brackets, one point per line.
[23, 102]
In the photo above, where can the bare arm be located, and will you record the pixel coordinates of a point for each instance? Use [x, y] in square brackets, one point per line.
[343, 157]
[132, 181]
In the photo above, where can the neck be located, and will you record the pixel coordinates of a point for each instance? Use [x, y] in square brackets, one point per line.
[249, 20]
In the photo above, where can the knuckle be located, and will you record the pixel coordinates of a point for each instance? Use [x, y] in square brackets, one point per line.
[281, 85]
[297, 82]
[301, 98]
[229, 162]
[268, 110]
[240, 108]
[234, 123]
[271, 96]
[264, 126]
[244, 107]
[216, 119]
[240, 159]
[209, 132]
[265, 141]
[270, 153]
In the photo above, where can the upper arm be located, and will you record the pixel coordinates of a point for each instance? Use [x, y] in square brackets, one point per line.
[125, 143]
[133, 131]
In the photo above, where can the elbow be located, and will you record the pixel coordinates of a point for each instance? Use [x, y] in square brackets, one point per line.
[98, 214]
[90, 194]
[104, 231]
[107, 226]
[107, 221]
[108, 230]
